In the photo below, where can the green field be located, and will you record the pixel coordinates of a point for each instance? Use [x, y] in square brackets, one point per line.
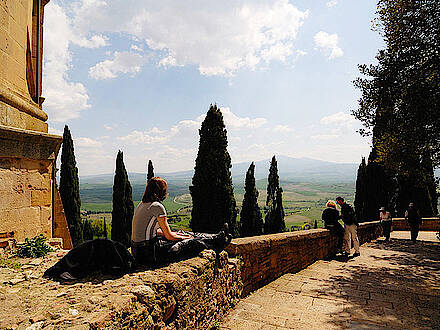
[303, 202]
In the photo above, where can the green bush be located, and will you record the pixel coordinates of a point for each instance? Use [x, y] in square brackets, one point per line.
[33, 248]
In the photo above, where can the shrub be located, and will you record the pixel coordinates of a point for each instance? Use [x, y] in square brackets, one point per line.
[33, 248]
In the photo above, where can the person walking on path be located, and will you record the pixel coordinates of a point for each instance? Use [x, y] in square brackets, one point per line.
[350, 224]
[386, 221]
[412, 215]
[330, 216]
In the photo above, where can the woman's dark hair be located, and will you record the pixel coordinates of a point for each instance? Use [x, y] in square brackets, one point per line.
[156, 190]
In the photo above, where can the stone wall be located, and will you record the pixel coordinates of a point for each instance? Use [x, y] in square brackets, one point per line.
[428, 224]
[60, 227]
[191, 294]
[267, 257]
[26, 197]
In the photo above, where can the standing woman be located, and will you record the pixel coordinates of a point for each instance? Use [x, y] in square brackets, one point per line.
[153, 241]
[386, 221]
[330, 216]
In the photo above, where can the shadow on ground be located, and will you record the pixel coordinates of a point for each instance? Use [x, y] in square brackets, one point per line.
[392, 285]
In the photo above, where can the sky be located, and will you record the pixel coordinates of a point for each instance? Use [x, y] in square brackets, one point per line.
[139, 76]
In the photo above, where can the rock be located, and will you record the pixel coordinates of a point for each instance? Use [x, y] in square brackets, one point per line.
[17, 280]
[36, 262]
[144, 293]
[61, 294]
[36, 326]
[73, 311]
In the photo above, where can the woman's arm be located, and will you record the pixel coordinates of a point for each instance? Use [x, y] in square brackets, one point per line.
[166, 231]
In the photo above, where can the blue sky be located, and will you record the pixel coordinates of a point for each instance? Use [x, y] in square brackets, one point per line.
[139, 76]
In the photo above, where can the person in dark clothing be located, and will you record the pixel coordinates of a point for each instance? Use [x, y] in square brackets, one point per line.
[412, 215]
[350, 224]
[330, 216]
[386, 221]
[153, 242]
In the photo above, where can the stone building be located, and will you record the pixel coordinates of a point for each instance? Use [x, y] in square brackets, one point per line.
[28, 153]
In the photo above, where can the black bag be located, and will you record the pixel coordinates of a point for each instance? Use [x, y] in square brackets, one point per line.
[104, 255]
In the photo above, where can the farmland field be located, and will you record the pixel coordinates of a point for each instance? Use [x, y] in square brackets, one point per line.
[303, 202]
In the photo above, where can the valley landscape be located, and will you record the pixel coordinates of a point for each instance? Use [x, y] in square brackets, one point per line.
[307, 185]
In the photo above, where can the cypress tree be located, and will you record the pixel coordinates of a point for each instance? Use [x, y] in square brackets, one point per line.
[105, 229]
[211, 191]
[361, 195]
[87, 230]
[123, 208]
[274, 220]
[150, 173]
[251, 221]
[69, 188]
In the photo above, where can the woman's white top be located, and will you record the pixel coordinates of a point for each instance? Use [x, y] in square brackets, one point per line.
[145, 224]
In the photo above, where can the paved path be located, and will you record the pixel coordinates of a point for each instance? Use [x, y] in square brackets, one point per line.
[391, 285]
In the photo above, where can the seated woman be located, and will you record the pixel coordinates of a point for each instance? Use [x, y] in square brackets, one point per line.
[330, 216]
[153, 241]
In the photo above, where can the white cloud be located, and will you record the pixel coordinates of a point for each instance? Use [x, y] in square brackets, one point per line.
[85, 142]
[55, 131]
[328, 44]
[122, 62]
[108, 127]
[332, 3]
[137, 137]
[234, 122]
[282, 129]
[338, 120]
[95, 41]
[64, 99]
[217, 37]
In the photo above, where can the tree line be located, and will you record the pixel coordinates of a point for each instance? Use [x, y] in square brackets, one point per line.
[400, 109]
[211, 191]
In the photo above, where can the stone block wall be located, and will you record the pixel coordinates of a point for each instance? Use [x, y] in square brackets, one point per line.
[428, 224]
[60, 227]
[26, 197]
[191, 294]
[267, 257]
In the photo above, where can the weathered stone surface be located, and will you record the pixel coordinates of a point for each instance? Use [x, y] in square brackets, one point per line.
[428, 224]
[267, 257]
[390, 286]
[193, 293]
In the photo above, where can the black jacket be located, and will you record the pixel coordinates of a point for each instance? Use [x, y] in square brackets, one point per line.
[348, 215]
[330, 216]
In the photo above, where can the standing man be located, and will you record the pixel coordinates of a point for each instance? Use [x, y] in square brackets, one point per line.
[350, 224]
[414, 219]
[386, 221]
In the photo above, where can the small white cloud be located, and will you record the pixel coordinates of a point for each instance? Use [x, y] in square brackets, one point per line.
[55, 131]
[235, 122]
[137, 137]
[95, 41]
[108, 127]
[85, 142]
[325, 137]
[328, 44]
[136, 48]
[282, 129]
[122, 62]
[332, 3]
[300, 52]
[339, 119]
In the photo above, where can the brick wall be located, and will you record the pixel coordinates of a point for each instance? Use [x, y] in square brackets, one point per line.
[428, 224]
[267, 257]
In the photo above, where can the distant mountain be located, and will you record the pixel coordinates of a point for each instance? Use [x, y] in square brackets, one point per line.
[290, 169]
